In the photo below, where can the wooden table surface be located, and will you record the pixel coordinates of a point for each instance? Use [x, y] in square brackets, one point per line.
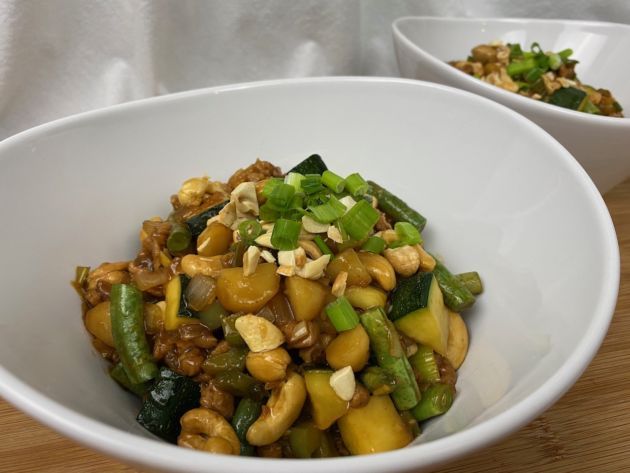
[587, 430]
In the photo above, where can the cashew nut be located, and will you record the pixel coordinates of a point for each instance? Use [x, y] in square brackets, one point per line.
[457, 345]
[205, 429]
[339, 286]
[379, 268]
[259, 334]
[427, 262]
[282, 410]
[268, 366]
[206, 265]
[311, 249]
[405, 259]
[192, 191]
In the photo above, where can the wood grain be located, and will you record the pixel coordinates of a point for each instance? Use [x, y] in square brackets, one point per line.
[587, 430]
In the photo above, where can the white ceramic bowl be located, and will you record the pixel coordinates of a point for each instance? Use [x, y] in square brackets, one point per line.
[600, 144]
[501, 196]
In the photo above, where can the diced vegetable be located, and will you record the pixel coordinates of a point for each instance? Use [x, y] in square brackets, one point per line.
[385, 344]
[239, 384]
[126, 309]
[304, 439]
[230, 334]
[119, 375]
[198, 223]
[374, 244]
[99, 323]
[342, 315]
[436, 400]
[457, 297]
[349, 262]
[425, 365]
[314, 164]
[407, 235]
[214, 240]
[329, 211]
[359, 220]
[397, 209]
[179, 238]
[349, 348]
[356, 185]
[233, 359]
[248, 294]
[334, 182]
[307, 297]
[425, 317]
[245, 415]
[285, 234]
[568, 97]
[171, 396]
[326, 405]
[366, 297]
[472, 281]
[457, 340]
[378, 381]
[374, 428]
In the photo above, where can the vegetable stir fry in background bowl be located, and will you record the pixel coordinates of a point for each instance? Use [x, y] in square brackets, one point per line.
[426, 45]
[500, 196]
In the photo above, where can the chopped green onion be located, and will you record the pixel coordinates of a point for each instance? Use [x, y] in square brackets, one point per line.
[407, 234]
[521, 67]
[334, 182]
[294, 179]
[179, 237]
[536, 49]
[515, 50]
[436, 400]
[312, 184]
[249, 230]
[321, 244]
[342, 315]
[356, 185]
[281, 196]
[359, 220]
[542, 61]
[270, 185]
[533, 75]
[555, 61]
[285, 234]
[565, 54]
[328, 212]
[374, 244]
[268, 214]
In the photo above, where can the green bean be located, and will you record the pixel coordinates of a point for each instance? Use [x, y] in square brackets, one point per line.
[378, 381]
[230, 334]
[198, 223]
[247, 411]
[126, 311]
[436, 400]
[395, 207]
[233, 359]
[179, 237]
[327, 447]
[425, 365]
[304, 440]
[457, 297]
[239, 384]
[119, 375]
[385, 344]
[472, 281]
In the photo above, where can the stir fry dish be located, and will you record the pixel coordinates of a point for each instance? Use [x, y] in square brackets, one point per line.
[546, 76]
[279, 315]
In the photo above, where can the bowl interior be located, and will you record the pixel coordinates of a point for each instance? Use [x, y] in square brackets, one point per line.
[600, 47]
[500, 195]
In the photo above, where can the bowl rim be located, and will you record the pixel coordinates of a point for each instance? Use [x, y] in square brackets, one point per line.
[497, 93]
[155, 453]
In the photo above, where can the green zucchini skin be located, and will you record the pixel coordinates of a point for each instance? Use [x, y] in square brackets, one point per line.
[385, 343]
[171, 396]
[457, 297]
[410, 294]
[247, 411]
[314, 164]
[568, 97]
[198, 223]
[395, 207]
[130, 341]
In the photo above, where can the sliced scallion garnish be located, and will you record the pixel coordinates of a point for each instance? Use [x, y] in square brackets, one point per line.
[342, 315]
[331, 180]
[285, 234]
[374, 244]
[359, 220]
[356, 185]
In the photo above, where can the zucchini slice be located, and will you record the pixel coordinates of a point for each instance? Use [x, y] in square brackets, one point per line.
[198, 223]
[314, 164]
[419, 312]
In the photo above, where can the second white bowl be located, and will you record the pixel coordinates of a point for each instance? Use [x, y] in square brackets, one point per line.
[600, 144]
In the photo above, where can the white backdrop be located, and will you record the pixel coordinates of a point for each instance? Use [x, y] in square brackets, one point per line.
[59, 57]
